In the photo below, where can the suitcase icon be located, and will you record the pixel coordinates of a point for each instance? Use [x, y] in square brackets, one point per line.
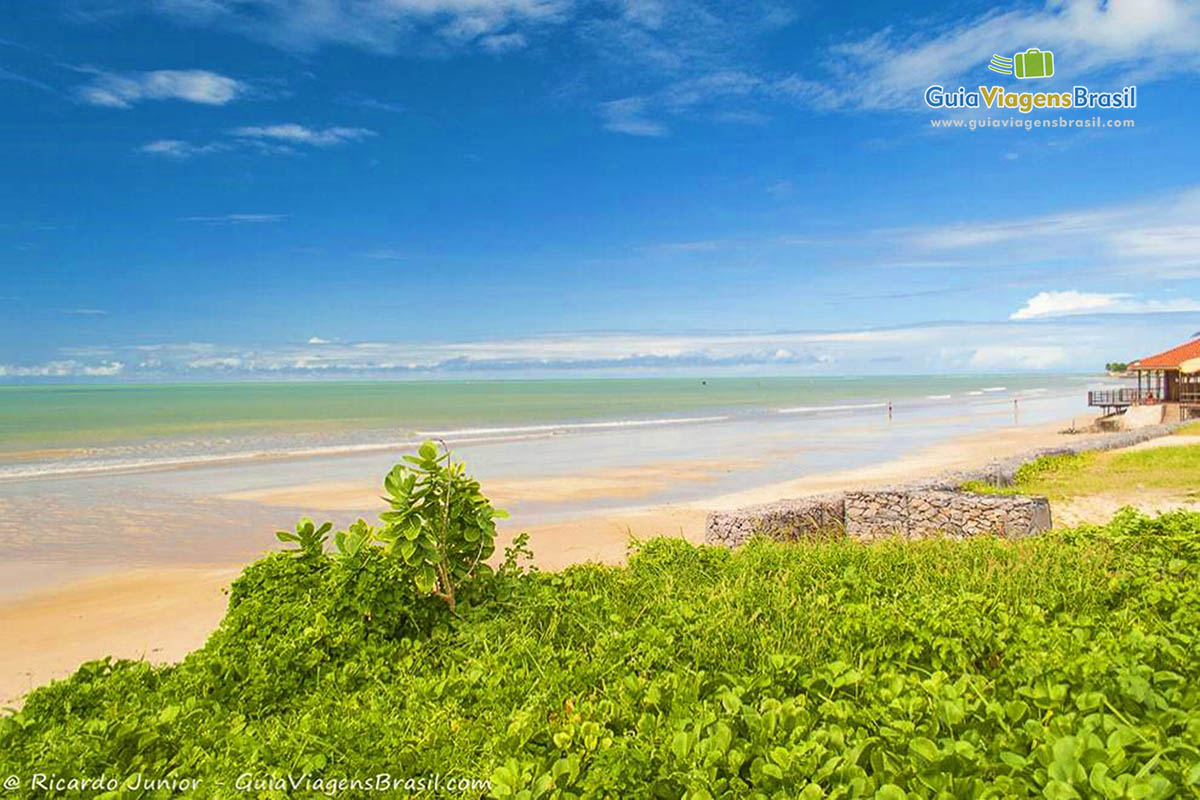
[1034, 63]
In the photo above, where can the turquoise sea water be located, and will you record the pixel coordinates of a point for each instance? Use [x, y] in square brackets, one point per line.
[40, 417]
[70, 429]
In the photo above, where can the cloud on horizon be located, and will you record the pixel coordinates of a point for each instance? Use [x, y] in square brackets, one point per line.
[1071, 302]
[1071, 344]
[63, 369]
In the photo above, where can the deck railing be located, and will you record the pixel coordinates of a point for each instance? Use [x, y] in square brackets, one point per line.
[1111, 398]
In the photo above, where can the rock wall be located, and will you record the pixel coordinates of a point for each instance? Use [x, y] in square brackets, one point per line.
[871, 515]
[811, 518]
[931, 513]
[916, 510]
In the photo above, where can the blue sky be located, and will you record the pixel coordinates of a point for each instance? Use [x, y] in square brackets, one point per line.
[249, 188]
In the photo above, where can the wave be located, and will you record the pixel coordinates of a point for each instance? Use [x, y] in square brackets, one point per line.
[938, 396]
[813, 409]
[175, 462]
[994, 389]
[568, 426]
[463, 436]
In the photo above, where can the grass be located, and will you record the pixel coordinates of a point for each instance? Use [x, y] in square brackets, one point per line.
[1174, 469]
[1190, 429]
[1053, 667]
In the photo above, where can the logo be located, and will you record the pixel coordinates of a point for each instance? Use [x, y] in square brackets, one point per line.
[1033, 63]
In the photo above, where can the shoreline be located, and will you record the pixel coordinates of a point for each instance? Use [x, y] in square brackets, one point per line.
[162, 613]
[235, 442]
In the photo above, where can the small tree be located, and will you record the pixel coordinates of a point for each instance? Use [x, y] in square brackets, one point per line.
[440, 525]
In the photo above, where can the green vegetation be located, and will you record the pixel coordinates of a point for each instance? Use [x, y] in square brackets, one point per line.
[1060, 666]
[439, 533]
[1116, 366]
[1190, 429]
[1061, 477]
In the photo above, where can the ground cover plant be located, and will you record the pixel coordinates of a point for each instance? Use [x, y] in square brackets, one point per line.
[1170, 469]
[1060, 666]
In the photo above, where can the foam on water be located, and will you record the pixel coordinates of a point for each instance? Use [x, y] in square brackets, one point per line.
[568, 426]
[813, 409]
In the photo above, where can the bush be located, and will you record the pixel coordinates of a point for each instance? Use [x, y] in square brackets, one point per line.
[1030, 475]
[1059, 666]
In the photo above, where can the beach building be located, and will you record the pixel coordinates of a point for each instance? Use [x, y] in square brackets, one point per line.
[1168, 381]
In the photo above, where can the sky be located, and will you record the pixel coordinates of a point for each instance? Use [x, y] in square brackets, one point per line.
[201, 189]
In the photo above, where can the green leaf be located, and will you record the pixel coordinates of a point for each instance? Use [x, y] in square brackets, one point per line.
[407, 550]
[923, 748]
[425, 579]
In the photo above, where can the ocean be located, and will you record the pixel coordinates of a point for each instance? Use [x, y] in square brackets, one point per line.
[50, 430]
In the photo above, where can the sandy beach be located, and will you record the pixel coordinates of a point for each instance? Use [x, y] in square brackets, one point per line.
[160, 614]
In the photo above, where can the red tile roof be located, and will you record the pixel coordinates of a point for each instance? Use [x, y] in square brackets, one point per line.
[1169, 359]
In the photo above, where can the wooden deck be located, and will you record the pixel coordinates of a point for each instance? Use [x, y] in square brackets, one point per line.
[1113, 400]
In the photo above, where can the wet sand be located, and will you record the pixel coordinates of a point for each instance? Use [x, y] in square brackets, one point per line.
[624, 483]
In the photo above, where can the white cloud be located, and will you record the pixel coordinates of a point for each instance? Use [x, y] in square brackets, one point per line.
[122, 90]
[317, 340]
[1157, 237]
[292, 133]
[1034, 357]
[274, 139]
[386, 26]
[181, 150]
[1177, 243]
[890, 68]
[1057, 304]
[502, 42]
[628, 116]
[723, 95]
[62, 369]
[222, 363]
[1070, 302]
[85, 312]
